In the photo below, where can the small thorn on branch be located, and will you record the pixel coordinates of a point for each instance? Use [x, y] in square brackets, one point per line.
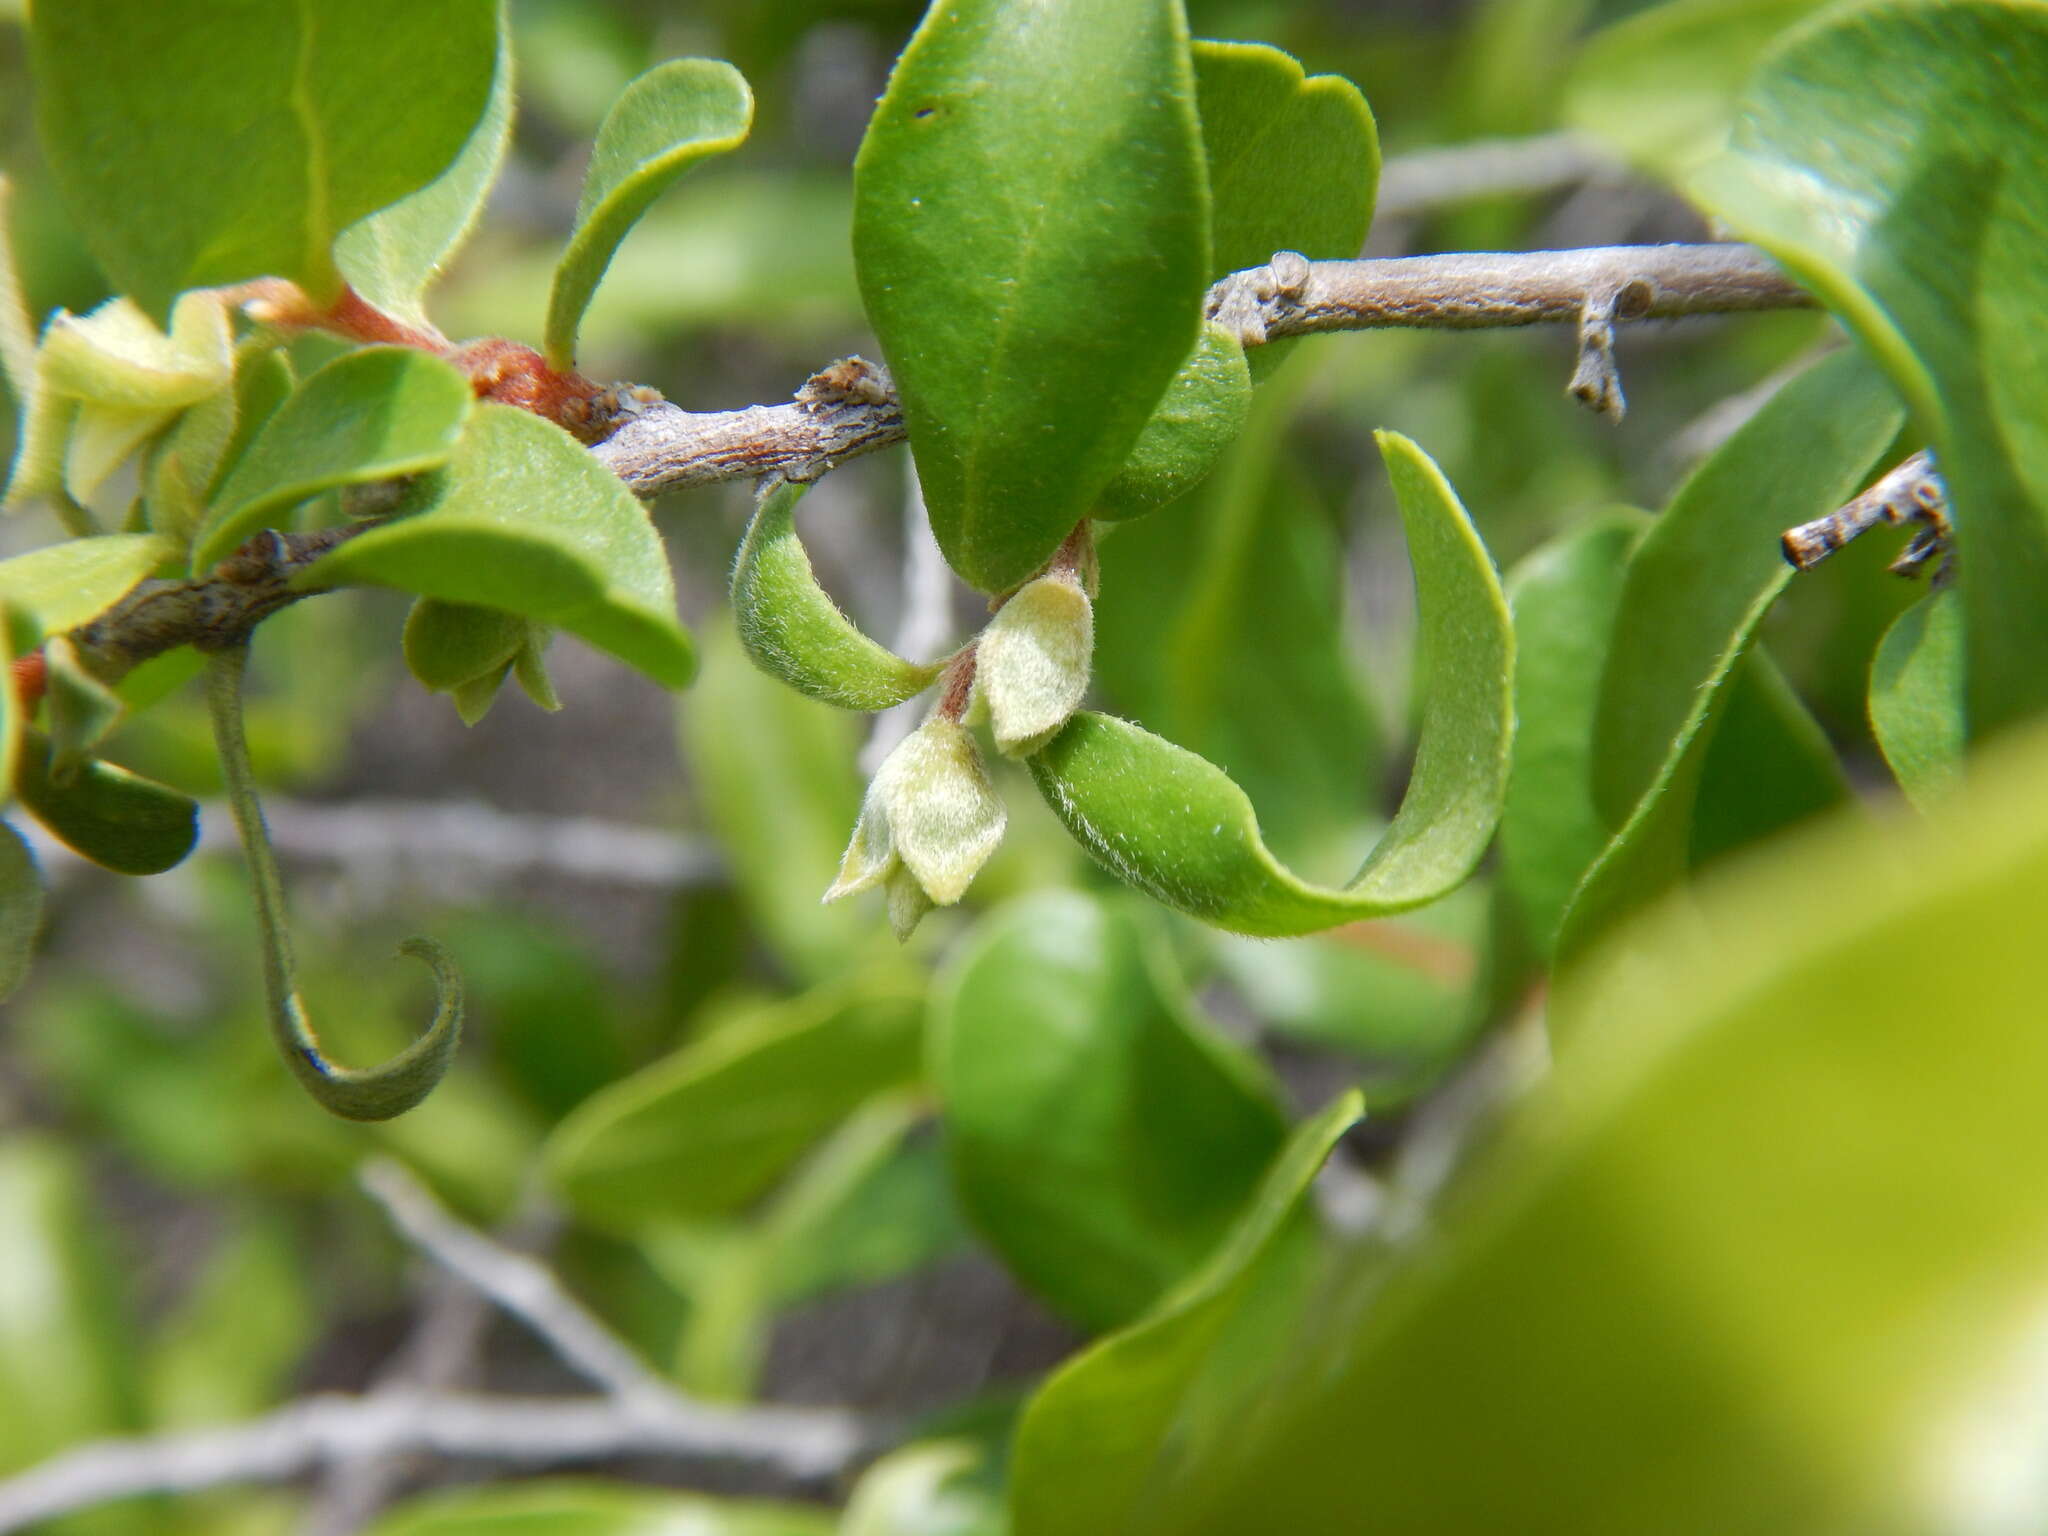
[1911, 493]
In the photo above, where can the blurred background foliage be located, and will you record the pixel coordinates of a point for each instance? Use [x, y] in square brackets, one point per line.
[732, 1092]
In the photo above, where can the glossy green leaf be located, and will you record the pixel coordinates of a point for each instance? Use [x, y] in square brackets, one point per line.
[588, 1508]
[666, 121]
[793, 630]
[1702, 578]
[264, 380]
[524, 519]
[1564, 598]
[1176, 827]
[1204, 409]
[450, 644]
[1224, 628]
[1662, 85]
[1030, 234]
[67, 1358]
[1102, 1137]
[373, 414]
[21, 908]
[1895, 158]
[17, 324]
[1770, 764]
[394, 255]
[778, 787]
[198, 148]
[1916, 697]
[62, 586]
[1120, 1419]
[1662, 1259]
[711, 1126]
[118, 819]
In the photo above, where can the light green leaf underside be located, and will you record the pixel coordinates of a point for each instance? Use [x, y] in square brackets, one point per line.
[793, 630]
[1102, 1137]
[393, 257]
[1204, 409]
[1111, 1421]
[62, 586]
[1916, 697]
[1176, 827]
[666, 121]
[709, 1127]
[1030, 335]
[373, 414]
[208, 146]
[524, 519]
[1895, 158]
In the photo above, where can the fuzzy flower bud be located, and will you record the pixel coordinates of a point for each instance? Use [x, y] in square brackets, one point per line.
[1032, 662]
[929, 822]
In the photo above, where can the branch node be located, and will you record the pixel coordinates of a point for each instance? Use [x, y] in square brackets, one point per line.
[1596, 382]
[1910, 493]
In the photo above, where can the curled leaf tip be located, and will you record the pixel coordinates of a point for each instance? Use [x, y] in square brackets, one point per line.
[381, 1092]
[372, 1093]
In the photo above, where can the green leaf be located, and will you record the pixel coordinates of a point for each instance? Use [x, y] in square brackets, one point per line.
[392, 257]
[1294, 163]
[1223, 627]
[1125, 1415]
[62, 586]
[129, 824]
[1895, 159]
[666, 121]
[777, 784]
[1662, 86]
[1205, 407]
[589, 1508]
[80, 709]
[1769, 765]
[711, 1126]
[205, 147]
[450, 644]
[374, 414]
[1294, 160]
[1703, 576]
[1916, 697]
[793, 630]
[1661, 1258]
[1564, 598]
[117, 356]
[1030, 234]
[1176, 827]
[67, 1358]
[1102, 1136]
[21, 907]
[524, 519]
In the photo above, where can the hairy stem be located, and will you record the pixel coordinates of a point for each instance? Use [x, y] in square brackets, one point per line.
[377, 1093]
